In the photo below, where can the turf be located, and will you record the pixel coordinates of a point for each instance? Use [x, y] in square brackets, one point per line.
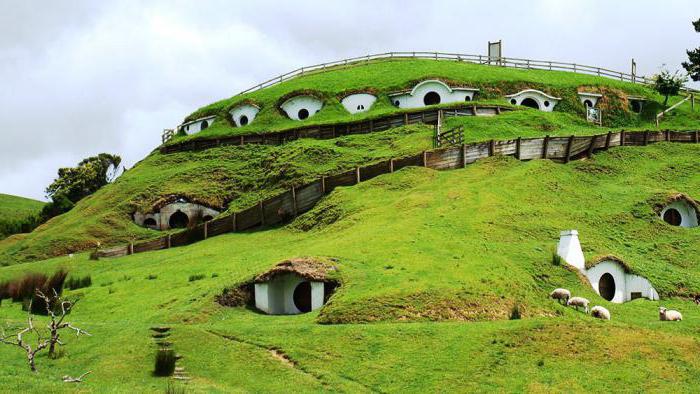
[14, 211]
[431, 264]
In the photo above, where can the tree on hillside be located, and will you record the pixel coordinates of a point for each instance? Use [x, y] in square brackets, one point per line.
[668, 84]
[76, 183]
[692, 66]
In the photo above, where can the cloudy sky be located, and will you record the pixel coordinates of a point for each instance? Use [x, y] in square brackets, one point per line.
[82, 77]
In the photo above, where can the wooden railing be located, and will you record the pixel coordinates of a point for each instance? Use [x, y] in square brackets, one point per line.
[450, 137]
[300, 199]
[429, 116]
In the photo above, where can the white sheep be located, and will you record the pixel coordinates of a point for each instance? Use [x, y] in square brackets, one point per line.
[578, 302]
[600, 312]
[560, 294]
[669, 315]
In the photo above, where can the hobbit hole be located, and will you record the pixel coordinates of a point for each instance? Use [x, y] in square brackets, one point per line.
[150, 222]
[431, 98]
[302, 297]
[358, 102]
[178, 220]
[529, 102]
[431, 92]
[680, 212]
[534, 99]
[244, 114]
[673, 217]
[301, 107]
[177, 214]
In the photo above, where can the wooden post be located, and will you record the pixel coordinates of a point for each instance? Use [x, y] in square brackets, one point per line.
[130, 250]
[697, 136]
[323, 184]
[425, 159]
[357, 175]
[545, 145]
[169, 242]
[492, 147]
[607, 140]
[646, 138]
[242, 140]
[294, 201]
[206, 230]
[498, 110]
[474, 112]
[568, 149]
[233, 221]
[262, 213]
[667, 134]
[391, 165]
[517, 147]
[371, 125]
[622, 137]
[589, 152]
[405, 118]
[464, 155]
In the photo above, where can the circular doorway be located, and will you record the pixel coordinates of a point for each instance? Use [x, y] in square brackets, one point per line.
[431, 98]
[302, 297]
[673, 217]
[606, 286]
[529, 102]
[178, 220]
[303, 114]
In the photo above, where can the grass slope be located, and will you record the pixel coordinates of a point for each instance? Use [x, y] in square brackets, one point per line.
[15, 210]
[387, 76]
[413, 247]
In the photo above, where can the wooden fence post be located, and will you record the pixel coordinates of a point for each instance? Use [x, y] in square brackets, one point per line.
[697, 136]
[405, 118]
[646, 137]
[294, 201]
[545, 146]
[607, 140]
[233, 222]
[206, 230]
[425, 158]
[589, 152]
[622, 137]
[492, 147]
[130, 250]
[568, 149]
[169, 242]
[357, 175]
[518, 142]
[464, 155]
[323, 185]
[391, 165]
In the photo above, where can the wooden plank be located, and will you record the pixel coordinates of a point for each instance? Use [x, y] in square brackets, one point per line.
[517, 148]
[568, 149]
[545, 146]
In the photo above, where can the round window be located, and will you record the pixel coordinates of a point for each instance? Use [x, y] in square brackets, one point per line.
[546, 103]
[673, 217]
[467, 98]
[205, 124]
[303, 113]
[513, 101]
[243, 120]
[606, 286]
[431, 98]
[588, 103]
[396, 103]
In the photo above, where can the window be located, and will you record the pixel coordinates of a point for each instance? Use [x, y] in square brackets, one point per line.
[303, 113]
[673, 217]
[396, 103]
[636, 106]
[635, 294]
[546, 103]
[205, 124]
[431, 98]
[513, 101]
[588, 103]
[243, 120]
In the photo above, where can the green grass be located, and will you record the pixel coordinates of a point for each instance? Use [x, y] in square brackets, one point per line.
[386, 76]
[414, 248]
[14, 211]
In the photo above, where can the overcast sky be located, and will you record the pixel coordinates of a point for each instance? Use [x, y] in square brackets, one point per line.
[82, 77]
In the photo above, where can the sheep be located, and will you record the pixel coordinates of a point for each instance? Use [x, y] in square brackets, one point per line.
[600, 312]
[669, 315]
[560, 294]
[577, 302]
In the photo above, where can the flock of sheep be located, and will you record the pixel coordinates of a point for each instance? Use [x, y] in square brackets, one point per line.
[601, 312]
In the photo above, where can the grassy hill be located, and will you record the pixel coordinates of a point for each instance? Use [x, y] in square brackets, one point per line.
[16, 211]
[231, 178]
[413, 248]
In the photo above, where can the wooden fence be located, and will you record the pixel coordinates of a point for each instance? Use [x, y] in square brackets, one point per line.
[337, 130]
[300, 199]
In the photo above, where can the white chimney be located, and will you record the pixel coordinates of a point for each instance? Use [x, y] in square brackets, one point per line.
[569, 249]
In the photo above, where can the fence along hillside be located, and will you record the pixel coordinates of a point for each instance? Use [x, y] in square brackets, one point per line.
[299, 199]
[429, 116]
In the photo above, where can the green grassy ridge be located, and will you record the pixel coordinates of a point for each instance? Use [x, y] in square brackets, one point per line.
[14, 211]
[454, 235]
[387, 76]
[232, 177]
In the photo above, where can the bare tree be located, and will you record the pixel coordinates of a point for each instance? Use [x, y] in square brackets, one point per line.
[55, 325]
[20, 342]
[56, 322]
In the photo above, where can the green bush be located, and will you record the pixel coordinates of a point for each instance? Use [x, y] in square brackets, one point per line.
[74, 283]
[196, 277]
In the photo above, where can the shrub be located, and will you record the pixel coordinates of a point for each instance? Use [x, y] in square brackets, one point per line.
[515, 312]
[74, 283]
[196, 277]
[24, 288]
[556, 259]
[152, 277]
[165, 362]
[53, 286]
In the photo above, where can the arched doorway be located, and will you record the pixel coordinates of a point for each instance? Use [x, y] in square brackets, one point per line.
[588, 103]
[431, 98]
[606, 286]
[302, 297]
[530, 102]
[178, 220]
[243, 120]
[673, 217]
[150, 222]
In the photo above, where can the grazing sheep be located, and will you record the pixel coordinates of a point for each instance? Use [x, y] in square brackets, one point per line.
[578, 302]
[669, 315]
[600, 312]
[560, 294]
